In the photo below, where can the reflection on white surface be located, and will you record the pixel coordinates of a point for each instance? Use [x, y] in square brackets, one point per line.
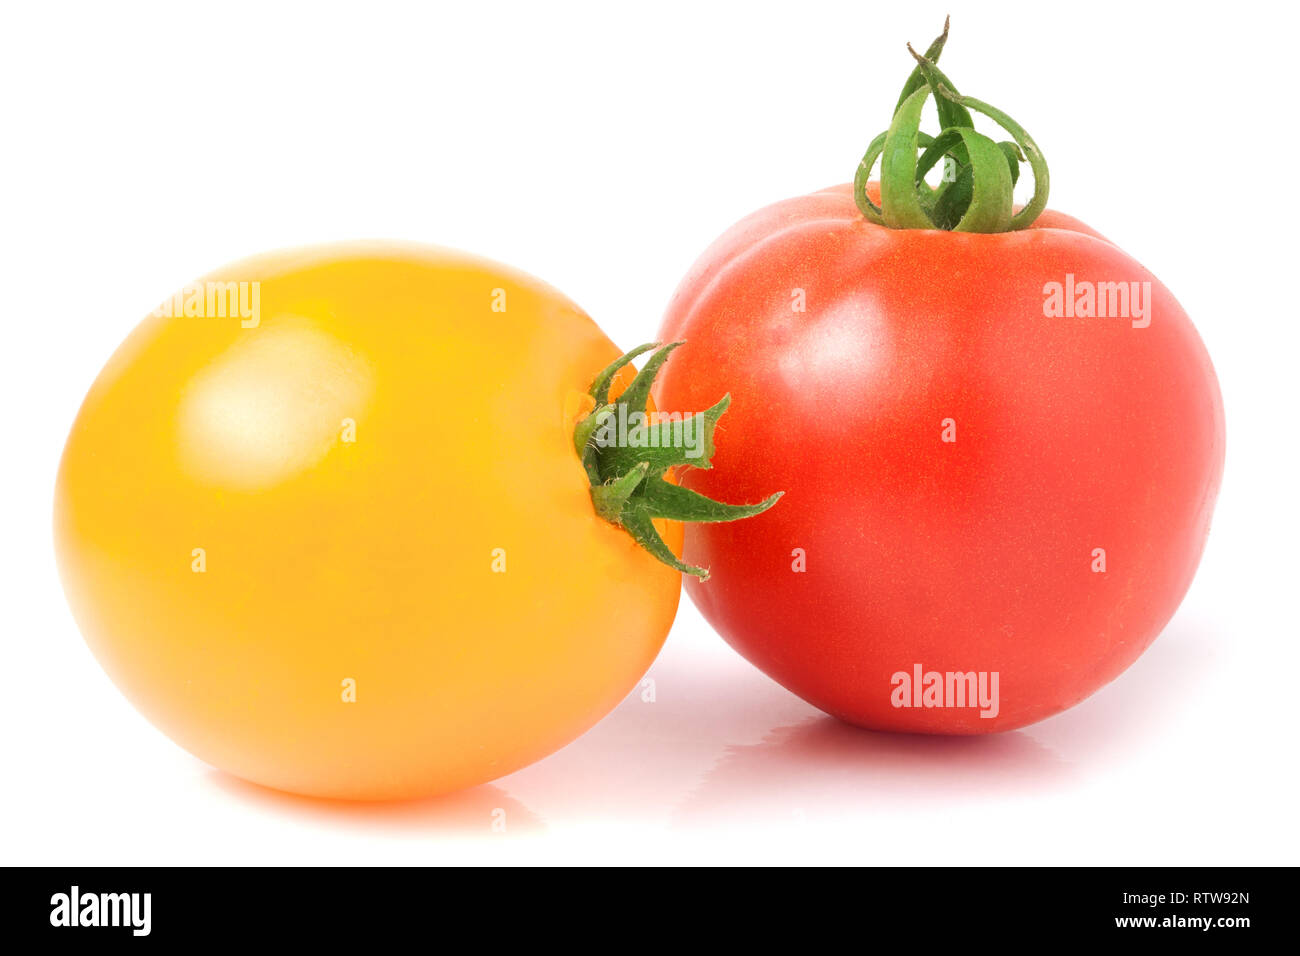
[486, 810]
[722, 743]
[722, 746]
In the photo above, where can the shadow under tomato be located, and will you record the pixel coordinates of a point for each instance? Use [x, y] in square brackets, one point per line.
[823, 766]
[485, 810]
[720, 741]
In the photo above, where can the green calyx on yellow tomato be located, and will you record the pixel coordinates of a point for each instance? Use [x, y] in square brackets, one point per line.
[627, 454]
[975, 194]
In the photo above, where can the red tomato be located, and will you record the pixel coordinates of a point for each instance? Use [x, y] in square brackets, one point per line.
[974, 486]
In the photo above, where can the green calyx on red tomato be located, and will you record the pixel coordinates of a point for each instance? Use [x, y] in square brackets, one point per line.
[979, 174]
[628, 468]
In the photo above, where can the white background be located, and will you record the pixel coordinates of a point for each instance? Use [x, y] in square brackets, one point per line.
[601, 147]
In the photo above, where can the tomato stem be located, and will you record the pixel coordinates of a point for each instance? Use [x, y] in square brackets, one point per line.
[979, 175]
[628, 455]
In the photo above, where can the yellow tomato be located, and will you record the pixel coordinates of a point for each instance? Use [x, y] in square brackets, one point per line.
[337, 539]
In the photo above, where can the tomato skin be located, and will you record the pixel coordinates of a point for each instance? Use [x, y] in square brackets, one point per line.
[369, 560]
[1072, 434]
